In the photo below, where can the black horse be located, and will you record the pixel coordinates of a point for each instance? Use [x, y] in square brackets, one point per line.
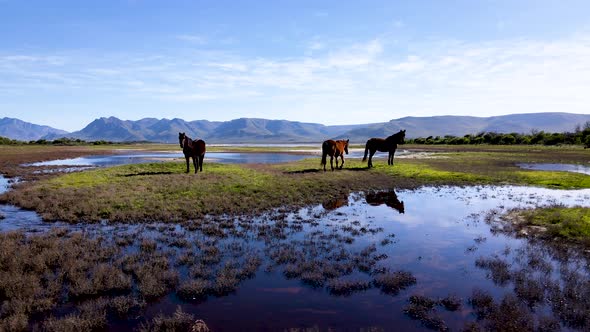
[384, 145]
[192, 148]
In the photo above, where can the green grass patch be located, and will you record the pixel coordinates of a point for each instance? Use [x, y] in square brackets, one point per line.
[550, 179]
[428, 174]
[566, 222]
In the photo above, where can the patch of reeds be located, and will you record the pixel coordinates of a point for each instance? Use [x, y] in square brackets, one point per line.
[423, 309]
[394, 282]
[344, 287]
[499, 270]
[509, 314]
[194, 289]
[179, 321]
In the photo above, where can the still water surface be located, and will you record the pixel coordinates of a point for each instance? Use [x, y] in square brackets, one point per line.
[222, 157]
[557, 167]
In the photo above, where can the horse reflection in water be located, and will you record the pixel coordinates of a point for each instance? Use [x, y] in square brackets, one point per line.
[388, 198]
[335, 202]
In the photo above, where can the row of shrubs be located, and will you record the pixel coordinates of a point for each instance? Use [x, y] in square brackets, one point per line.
[578, 137]
[59, 141]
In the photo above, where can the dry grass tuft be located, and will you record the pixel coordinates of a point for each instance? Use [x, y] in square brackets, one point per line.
[179, 321]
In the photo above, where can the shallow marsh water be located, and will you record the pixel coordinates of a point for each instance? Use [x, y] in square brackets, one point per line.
[442, 239]
[557, 167]
[223, 157]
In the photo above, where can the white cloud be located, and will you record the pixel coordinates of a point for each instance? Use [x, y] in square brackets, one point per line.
[399, 24]
[195, 39]
[366, 81]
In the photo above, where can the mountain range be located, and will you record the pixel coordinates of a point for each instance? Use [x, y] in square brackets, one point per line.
[253, 130]
[25, 131]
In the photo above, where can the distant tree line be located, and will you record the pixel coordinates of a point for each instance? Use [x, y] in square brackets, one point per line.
[581, 135]
[60, 141]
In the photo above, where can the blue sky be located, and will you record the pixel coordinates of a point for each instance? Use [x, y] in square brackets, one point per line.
[65, 63]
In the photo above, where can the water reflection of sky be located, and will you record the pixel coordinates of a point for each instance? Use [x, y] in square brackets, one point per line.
[557, 167]
[4, 184]
[123, 159]
[222, 157]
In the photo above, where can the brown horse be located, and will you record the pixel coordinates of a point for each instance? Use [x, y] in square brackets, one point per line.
[384, 145]
[388, 198]
[192, 148]
[334, 149]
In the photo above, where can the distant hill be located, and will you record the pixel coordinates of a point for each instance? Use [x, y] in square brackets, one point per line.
[253, 130]
[148, 129]
[279, 131]
[244, 130]
[25, 131]
[462, 125]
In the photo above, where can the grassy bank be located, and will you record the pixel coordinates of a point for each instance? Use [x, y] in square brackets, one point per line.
[569, 223]
[162, 191]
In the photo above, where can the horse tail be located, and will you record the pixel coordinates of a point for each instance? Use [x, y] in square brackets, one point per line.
[366, 151]
[324, 152]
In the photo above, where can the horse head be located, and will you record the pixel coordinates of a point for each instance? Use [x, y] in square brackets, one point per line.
[399, 206]
[346, 146]
[181, 138]
[402, 136]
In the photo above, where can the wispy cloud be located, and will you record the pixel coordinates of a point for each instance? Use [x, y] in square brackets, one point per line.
[195, 39]
[374, 80]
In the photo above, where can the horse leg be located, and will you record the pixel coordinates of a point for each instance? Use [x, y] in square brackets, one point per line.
[392, 154]
[187, 163]
[201, 157]
[371, 153]
[390, 158]
[332, 163]
[196, 163]
[342, 165]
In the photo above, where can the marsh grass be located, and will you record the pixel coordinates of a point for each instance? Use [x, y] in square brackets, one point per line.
[499, 270]
[343, 287]
[179, 321]
[561, 295]
[423, 309]
[51, 268]
[65, 280]
[394, 282]
[565, 222]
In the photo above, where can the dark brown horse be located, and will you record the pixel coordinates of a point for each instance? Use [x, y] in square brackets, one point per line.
[192, 148]
[384, 145]
[388, 198]
[335, 149]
